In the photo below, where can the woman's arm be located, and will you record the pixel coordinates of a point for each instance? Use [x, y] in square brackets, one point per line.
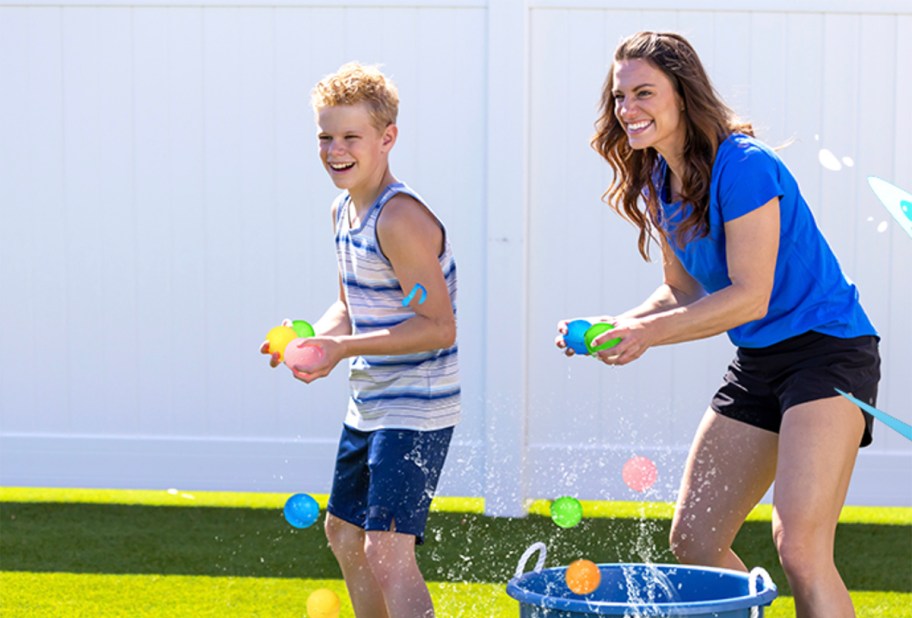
[751, 245]
[677, 290]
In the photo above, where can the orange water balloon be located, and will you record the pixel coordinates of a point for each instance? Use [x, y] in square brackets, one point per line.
[583, 576]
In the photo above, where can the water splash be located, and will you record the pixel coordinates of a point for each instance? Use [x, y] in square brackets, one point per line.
[897, 201]
[828, 160]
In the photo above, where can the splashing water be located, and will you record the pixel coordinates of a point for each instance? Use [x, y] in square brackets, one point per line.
[828, 160]
[647, 586]
[897, 201]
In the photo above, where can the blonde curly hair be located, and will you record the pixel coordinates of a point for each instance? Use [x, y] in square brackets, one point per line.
[356, 83]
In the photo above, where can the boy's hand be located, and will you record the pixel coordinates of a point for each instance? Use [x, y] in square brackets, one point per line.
[274, 356]
[333, 352]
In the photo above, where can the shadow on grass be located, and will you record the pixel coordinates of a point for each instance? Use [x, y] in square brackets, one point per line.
[460, 547]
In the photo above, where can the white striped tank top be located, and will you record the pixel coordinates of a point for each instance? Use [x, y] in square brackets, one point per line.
[418, 391]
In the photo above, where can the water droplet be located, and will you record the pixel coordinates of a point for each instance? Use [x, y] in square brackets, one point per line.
[828, 160]
[882, 227]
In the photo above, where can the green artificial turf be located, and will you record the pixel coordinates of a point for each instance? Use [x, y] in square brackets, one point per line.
[113, 553]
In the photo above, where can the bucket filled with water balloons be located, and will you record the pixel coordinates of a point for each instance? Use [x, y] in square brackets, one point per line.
[641, 590]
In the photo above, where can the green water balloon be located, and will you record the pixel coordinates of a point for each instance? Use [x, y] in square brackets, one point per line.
[566, 511]
[594, 331]
[302, 328]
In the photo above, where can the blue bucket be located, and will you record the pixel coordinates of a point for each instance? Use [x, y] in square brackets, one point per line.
[643, 590]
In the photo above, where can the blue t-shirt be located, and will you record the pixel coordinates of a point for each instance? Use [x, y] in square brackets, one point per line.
[810, 291]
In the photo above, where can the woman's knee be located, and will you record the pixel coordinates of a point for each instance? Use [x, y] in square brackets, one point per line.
[694, 541]
[685, 544]
[803, 551]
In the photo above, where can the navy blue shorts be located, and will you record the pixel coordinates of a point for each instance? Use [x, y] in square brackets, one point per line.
[386, 476]
[762, 383]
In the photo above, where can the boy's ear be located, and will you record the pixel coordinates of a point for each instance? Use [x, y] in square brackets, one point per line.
[390, 134]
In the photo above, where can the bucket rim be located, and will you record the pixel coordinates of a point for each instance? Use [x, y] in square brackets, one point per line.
[579, 603]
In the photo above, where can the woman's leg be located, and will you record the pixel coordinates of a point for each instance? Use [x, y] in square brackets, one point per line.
[391, 556]
[818, 445]
[347, 542]
[730, 466]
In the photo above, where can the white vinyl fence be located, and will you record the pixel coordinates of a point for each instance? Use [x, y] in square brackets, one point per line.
[162, 206]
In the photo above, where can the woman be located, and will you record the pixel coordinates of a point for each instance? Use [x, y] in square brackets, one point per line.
[741, 254]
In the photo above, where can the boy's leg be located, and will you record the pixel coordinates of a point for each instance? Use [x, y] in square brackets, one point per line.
[346, 512]
[730, 466]
[818, 445]
[392, 558]
[405, 466]
[347, 542]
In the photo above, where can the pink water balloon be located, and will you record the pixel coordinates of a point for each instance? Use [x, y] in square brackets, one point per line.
[639, 473]
[302, 355]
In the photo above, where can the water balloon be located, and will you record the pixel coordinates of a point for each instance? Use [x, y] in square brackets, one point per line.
[566, 511]
[576, 329]
[279, 338]
[583, 576]
[303, 355]
[302, 328]
[639, 473]
[594, 331]
[323, 603]
[301, 510]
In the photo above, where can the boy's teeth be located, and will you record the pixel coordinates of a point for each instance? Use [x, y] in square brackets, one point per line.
[341, 166]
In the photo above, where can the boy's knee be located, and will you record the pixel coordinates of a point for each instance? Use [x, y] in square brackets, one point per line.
[389, 558]
[344, 539]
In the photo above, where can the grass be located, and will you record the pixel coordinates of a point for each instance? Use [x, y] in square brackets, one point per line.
[142, 553]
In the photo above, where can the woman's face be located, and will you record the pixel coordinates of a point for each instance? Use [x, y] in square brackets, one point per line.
[648, 108]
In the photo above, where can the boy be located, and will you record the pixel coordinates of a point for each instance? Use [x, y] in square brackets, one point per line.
[404, 381]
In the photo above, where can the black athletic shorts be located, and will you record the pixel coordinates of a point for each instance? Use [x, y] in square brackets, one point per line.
[762, 383]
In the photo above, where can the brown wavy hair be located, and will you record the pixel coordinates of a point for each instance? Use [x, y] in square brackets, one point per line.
[708, 122]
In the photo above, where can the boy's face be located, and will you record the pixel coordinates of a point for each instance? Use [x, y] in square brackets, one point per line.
[353, 151]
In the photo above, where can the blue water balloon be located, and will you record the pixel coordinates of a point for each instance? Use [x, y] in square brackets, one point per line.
[301, 511]
[575, 337]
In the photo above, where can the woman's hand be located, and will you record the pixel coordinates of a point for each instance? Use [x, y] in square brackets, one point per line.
[562, 331]
[636, 334]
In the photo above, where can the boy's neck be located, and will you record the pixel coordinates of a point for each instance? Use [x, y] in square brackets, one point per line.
[362, 198]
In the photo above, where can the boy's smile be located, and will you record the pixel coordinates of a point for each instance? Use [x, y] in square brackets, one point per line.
[353, 150]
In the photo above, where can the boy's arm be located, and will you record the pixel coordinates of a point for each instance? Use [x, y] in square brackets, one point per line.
[335, 320]
[412, 240]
